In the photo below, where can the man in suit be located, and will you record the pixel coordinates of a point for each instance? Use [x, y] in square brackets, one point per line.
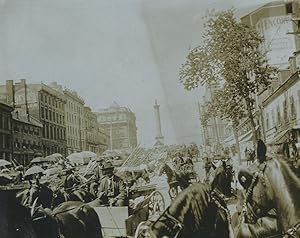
[112, 186]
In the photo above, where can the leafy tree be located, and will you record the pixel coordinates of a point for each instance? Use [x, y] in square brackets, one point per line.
[231, 53]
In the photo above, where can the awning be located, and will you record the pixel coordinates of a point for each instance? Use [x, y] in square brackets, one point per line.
[247, 138]
[280, 137]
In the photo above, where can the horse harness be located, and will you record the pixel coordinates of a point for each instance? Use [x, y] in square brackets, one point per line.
[174, 226]
[291, 232]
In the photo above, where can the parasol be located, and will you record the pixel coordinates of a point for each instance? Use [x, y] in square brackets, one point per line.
[88, 154]
[4, 162]
[52, 171]
[34, 170]
[37, 160]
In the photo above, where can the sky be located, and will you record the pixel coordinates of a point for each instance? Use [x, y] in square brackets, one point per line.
[128, 51]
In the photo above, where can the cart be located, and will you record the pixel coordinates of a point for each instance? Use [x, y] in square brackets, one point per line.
[123, 221]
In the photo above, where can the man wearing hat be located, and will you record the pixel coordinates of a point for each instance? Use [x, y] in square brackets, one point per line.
[112, 186]
[71, 179]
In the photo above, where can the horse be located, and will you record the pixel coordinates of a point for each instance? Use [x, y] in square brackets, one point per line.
[174, 180]
[15, 220]
[273, 186]
[245, 227]
[44, 194]
[198, 211]
[71, 219]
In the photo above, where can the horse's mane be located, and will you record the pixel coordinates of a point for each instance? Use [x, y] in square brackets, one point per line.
[291, 180]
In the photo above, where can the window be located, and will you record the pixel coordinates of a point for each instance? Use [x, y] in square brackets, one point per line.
[267, 121]
[285, 110]
[42, 112]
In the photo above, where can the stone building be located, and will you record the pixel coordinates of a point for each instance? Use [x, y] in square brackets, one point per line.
[5, 132]
[27, 138]
[74, 115]
[45, 104]
[120, 124]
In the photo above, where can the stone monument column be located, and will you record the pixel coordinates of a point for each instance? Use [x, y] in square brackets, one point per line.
[159, 137]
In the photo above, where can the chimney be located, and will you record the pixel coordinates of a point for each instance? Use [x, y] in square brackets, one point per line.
[10, 92]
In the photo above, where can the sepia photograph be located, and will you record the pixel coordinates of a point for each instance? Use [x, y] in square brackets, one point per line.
[149, 119]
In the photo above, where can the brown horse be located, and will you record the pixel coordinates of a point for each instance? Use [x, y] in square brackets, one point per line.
[273, 185]
[199, 211]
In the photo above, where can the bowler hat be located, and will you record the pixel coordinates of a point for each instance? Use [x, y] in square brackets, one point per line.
[107, 166]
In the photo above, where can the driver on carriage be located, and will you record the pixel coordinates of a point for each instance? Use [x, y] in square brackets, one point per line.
[71, 179]
[112, 186]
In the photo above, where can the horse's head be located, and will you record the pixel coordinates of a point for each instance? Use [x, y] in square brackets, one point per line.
[260, 196]
[223, 178]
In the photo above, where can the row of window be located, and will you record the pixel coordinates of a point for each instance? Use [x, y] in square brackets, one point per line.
[288, 112]
[116, 117]
[28, 144]
[73, 107]
[53, 132]
[26, 129]
[52, 101]
[52, 116]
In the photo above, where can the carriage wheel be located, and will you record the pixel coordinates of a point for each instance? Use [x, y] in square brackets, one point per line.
[156, 203]
[173, 192]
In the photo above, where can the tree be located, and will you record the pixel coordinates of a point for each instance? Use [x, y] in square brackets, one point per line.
[222, 104]
[231, 53]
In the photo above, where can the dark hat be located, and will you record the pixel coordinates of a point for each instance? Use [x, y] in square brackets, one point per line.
[107, 166]
[261, 150]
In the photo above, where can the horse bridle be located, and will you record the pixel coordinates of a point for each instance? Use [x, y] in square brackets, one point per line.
[173, 226]
[289, 233]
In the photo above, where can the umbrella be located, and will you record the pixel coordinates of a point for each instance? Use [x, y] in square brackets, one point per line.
[34, 170]
[37, 160]
[88, 154]
[52, 171]
[50, 158]
[4, 162]
[74, 156]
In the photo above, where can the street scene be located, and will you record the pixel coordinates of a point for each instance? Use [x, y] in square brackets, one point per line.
[149, 119]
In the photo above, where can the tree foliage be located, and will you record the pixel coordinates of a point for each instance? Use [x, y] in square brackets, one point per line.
[231, 52]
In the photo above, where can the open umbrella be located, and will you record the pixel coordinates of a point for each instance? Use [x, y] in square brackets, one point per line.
[37, 160]
[4, 162]
[52, 171]
[34, 170]
[74, 156]
[88, 154]
[50, 158]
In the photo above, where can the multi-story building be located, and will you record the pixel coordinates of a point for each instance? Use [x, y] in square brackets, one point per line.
[273, 21]
[280, 107]
[120, 124]
[27, 138]
[6, 148]
[45, 104]
[214, 132]
[74, 115]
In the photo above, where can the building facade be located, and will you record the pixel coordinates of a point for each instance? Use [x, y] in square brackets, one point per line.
[74, 115]
[281, 108]
[45, 104]
[27, 138]
[273, 22]
[120, 124]
[6, 136]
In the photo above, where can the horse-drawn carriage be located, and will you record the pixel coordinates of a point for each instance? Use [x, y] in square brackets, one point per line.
[123, 221]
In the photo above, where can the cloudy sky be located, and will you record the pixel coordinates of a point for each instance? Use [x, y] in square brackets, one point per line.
[128, 51]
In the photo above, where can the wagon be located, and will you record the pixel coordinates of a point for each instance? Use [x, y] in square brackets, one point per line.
[123, 221]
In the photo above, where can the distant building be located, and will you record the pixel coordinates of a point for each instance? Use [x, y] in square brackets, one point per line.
[214, 133]
[94, 138]
[5, 132]
[27, 138]
[273, 22]
[45, 104]
[74, 115]
[120, 124]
